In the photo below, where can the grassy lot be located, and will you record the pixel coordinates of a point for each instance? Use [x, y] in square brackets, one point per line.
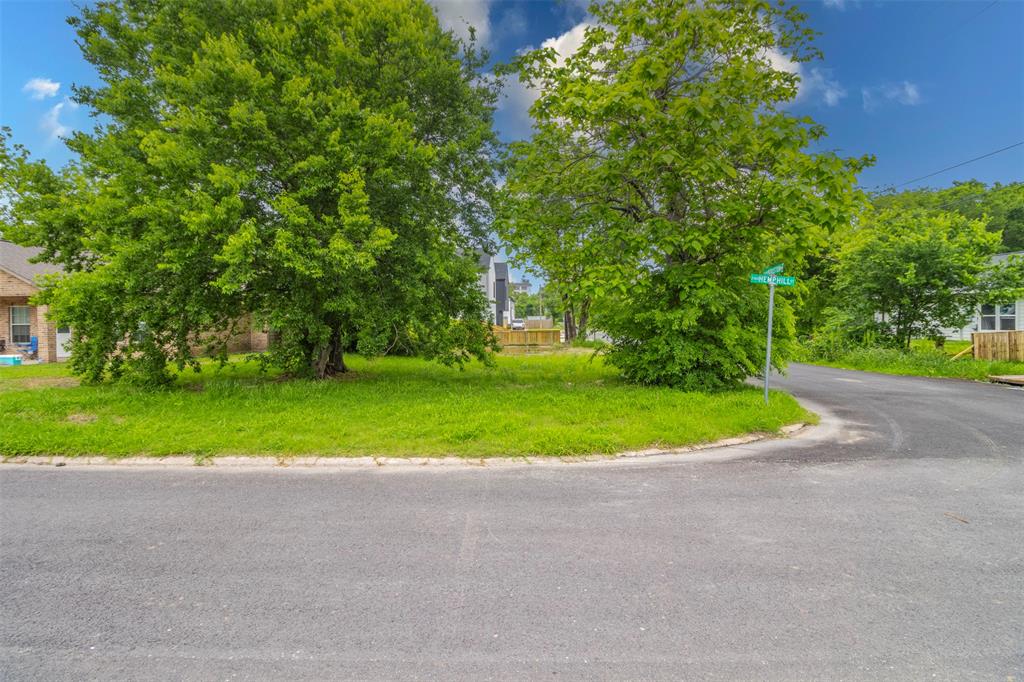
[560, 404]
[923, 361]
[951, 348]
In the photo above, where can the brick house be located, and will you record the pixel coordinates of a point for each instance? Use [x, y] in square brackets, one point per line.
[25, 329]
[20, 322]
[494, 281]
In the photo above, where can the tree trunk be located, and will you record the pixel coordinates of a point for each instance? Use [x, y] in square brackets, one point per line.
[581, 329]
[568, 320]
[337, 362]
[329, 359]
[321, 356]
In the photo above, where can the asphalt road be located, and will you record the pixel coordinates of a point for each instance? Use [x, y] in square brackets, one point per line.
[889, 544]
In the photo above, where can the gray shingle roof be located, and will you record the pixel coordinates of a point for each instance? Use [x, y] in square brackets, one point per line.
[1000, 257]
[16, 259]
[483, 259]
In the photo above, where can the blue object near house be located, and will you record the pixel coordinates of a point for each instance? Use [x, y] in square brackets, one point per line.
[33, 346]
[10, 359]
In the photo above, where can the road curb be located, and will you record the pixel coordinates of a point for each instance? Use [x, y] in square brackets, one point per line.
[237, 462]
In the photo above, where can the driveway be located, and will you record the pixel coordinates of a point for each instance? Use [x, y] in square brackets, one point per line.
[889, 543]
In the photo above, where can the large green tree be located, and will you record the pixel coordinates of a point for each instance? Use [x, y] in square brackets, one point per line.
[323, 165]
[912, 273]
[665, 148]
[1000, 206]
[551, 226]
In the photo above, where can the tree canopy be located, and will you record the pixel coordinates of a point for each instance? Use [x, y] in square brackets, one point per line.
[1000, 206]
[908, 274]
[325, 166]
[666, 166]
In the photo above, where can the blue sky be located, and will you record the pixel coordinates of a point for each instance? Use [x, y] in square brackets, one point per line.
[921, 85]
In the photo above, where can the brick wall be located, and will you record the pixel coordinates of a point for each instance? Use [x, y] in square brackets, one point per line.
[47, 335]
[12, 286]
[16, 292]
[246, 339]
[259, 340]
[5, 323]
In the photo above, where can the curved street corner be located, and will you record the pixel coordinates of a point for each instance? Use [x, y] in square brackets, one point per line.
[885, 543]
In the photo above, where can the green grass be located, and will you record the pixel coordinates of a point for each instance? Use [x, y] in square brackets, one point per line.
[922, 361]
[558, 404]
[950, 348]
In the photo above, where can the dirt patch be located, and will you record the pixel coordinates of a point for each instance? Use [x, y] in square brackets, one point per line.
[81, 418]
[350, 375]
[48, 382]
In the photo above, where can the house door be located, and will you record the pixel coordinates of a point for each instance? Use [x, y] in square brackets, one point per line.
[63, 339]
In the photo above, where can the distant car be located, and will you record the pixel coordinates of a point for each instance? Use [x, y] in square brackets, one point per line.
[518, 324]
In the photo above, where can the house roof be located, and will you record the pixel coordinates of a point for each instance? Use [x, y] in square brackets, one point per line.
[17, 260]
[501, 271]
[483, 259]
[1000, 257]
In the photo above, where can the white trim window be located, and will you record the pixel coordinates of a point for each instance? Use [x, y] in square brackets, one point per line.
[998, 317]
[21, 324]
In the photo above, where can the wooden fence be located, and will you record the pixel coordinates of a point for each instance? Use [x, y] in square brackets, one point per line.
[1007, 345]
[528, 337]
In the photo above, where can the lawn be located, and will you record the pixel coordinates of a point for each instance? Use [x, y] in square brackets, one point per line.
[558, 404]
[923, 361]
[951, 347]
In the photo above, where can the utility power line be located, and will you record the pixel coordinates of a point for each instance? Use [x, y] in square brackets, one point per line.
[976, 15]
[957, 165]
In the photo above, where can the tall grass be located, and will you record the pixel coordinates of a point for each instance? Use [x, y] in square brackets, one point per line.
[558, 404]
[920, 361]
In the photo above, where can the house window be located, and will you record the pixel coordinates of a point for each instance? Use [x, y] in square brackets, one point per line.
[21, 326]
[999, 317]
[1008, 316]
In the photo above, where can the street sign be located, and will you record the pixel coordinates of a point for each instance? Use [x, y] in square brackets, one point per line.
[777, 280]
[772, 278]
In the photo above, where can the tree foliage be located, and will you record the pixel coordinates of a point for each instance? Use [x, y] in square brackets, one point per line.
[1000, 206]
[665, 168]
[322, 165]
[909, 274]
[546, 302]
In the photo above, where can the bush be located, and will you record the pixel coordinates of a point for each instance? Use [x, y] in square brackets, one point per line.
[697, 338]
[927, 362]
[840, 333]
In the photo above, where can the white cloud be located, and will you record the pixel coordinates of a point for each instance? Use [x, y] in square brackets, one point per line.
[819, 83]
[41, 88]
[51, 123]
[816, 84]
[905, 93]
[567, 43]
[518, 97]
[836, 4]
[459, 15]
[781, 62]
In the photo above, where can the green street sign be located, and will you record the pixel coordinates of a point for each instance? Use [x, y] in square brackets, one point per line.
[770, 276]
[777, 280]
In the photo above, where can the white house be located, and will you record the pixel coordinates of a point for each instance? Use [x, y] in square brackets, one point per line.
[522, 287]
[495, 283]
[485, 266]
[1007, 316]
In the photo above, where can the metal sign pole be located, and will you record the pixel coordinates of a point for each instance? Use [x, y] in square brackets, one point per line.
[768, 353]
